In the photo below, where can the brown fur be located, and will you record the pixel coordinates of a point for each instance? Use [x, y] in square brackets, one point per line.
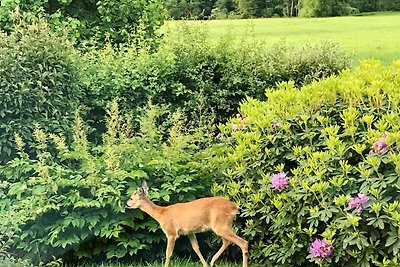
[211, 213]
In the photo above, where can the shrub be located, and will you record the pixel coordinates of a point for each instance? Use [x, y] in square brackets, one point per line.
[192, 73]
[69, 200]
[8, 237]
[117, 21]
[39, 82]
[318, 166]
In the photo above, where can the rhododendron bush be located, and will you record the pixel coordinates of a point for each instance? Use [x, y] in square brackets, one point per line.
[316, 170]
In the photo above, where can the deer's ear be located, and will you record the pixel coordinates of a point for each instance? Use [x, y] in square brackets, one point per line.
[145, 188]
[140, 191]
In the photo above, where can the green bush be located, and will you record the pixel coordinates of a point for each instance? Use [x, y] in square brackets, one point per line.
[95, 22]
[39, 82]
[69, 200]
[333, 139]
[190, 72]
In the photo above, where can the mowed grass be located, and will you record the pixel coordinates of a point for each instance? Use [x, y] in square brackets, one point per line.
[375, 36]
[179, 263]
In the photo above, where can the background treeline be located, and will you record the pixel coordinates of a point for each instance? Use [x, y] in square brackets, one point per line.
[221, 9]
[94, 22]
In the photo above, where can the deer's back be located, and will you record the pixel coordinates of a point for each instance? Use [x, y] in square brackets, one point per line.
[198, 215]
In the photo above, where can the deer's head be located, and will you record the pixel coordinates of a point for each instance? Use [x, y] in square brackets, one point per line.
[136, 199]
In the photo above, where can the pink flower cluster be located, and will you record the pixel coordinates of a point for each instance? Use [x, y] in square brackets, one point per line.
[280, 181]
[235, 127]
[358, 202]
[380, 146]
[320, 248]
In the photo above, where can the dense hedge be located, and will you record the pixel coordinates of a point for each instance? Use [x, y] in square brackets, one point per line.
[190, 72]
[70, 202]
[322, 161]
[39, 83]
[42, 78]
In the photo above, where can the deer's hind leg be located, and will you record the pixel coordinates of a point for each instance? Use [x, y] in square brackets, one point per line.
[225, 244]
[225, 232]
[229, 235]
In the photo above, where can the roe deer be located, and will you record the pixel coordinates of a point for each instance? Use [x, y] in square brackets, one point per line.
[211, 213]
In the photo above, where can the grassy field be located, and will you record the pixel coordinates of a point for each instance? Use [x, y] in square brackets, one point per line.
[375, 36]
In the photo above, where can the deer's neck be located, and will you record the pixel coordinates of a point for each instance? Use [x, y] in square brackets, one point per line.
[152, 209]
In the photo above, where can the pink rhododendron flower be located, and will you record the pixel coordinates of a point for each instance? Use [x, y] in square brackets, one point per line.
[358, 202]
[242, 120]
[320, 248]
[380, 146]
[234, 127]
[280, 181]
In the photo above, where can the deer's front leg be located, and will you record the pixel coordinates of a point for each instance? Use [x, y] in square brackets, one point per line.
[195, 246]
[170, 248]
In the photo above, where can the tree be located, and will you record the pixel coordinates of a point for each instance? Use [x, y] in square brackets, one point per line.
[189, 9]
[40, 82]
[250, 8]
[324, 8]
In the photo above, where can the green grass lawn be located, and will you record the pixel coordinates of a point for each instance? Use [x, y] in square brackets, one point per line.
[375, 36]
[180, 263]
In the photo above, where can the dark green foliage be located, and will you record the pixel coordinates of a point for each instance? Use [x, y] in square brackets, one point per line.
[321, 136]
[222, 9]
[375, 5]
[192, 73]
[193, 9]
[326, 8]
[186, 9]
[92, 20]
[39, 83]
[70, 203]
[250, 8]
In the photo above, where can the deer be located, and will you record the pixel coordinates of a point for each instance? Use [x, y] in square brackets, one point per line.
[204, 214]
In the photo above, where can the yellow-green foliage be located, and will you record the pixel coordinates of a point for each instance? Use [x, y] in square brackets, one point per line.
[333, 139]
[369, 84]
